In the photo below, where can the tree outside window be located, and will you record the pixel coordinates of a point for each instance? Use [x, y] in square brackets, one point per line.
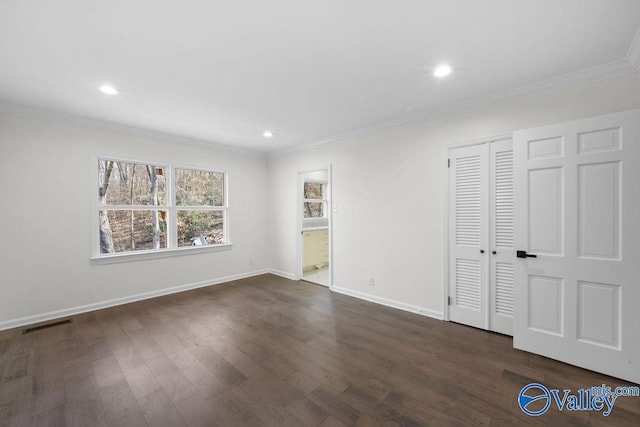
[136, 211]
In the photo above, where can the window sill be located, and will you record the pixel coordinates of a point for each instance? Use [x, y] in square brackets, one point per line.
[163, 253]
[323, 227]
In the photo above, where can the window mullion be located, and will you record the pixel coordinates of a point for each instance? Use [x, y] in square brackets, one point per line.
[173, 214]
[200, 208]
[133, 207]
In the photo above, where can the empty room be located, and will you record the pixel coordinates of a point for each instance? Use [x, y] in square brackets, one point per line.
[336, 213]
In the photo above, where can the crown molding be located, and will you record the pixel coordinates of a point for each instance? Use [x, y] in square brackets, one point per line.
[565, 81]
[69, 119]
[633, 55]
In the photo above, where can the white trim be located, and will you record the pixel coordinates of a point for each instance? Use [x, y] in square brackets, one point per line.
[299, 224]
[94, 170]
[282, 274]
[323, 227]
[445, 234]
[172, 232]
[633, 55]
[587, 75]
[311, 170]
[316, 181]
[137, 162]
[329, 195]
[300, 220]
[170, 207]
[198, 167]
[389, 303]
[478, 141]
[28, 320]
[158, 253]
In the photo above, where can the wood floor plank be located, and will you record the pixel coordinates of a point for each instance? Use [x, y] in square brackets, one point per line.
[197, 412]
[120, 405]
[142, 381]
[52, 417]
[273, 352]
[83, 406]
[159, 410]
[207, 384]
[307, 412]
[108, 375]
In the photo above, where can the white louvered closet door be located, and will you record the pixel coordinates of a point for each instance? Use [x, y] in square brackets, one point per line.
[481, 236]
[468, 233]
[501, 237]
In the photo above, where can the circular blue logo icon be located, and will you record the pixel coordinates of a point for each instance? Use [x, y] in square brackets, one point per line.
[531, 393]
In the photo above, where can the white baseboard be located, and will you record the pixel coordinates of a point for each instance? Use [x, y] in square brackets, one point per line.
[389, 303]
[283, 274]
[28, 320]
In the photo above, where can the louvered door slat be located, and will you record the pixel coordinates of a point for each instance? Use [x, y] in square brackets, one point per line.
[502, 232]
[467, 200]
[503, 199]
[504, 288]
[468, 284]
[468, 204]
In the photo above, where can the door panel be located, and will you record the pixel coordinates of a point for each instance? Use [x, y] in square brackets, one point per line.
[501, 237]
[468, 207]
[599, 210]
[546, 224]
[577, 209]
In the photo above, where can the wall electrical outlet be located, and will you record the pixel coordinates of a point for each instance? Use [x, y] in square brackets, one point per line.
[371, 281]
[250, 261]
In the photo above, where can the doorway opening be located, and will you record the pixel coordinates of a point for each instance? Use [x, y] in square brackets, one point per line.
[314, 213]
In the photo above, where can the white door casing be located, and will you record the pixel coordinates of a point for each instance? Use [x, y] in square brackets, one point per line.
[321, 174]
[577, 208]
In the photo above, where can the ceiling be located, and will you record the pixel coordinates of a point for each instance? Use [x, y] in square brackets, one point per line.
[225, 71]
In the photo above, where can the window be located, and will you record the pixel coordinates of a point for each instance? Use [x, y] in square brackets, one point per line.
[315, 203]
[148, 207]
[200, 206]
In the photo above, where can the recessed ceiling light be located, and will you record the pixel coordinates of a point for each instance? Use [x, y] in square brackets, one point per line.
[267, 134]
[442, 70]
[108, 90]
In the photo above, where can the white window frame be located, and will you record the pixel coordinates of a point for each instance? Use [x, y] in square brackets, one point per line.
[171, 208]
[176, 208]
[324, 200]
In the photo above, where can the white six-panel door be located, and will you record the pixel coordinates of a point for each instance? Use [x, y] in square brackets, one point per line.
[577, 209]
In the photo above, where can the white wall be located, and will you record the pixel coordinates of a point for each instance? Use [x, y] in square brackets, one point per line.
[390, 190]
[45, 220]
[388, 185]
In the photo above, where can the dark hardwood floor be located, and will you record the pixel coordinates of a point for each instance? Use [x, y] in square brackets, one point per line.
[269, 351]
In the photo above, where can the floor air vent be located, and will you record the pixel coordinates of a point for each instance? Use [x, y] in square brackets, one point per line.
[47, 326]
